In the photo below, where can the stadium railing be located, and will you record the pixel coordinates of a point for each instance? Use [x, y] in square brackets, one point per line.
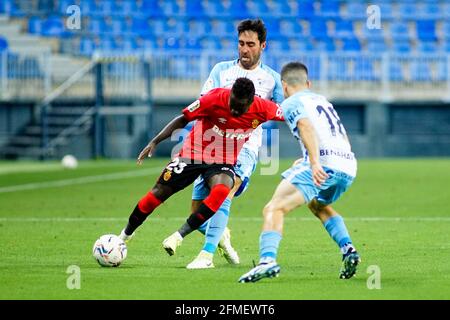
[180, 74]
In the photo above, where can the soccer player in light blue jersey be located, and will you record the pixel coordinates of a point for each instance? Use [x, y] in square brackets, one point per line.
[252, 42]
[326, 172]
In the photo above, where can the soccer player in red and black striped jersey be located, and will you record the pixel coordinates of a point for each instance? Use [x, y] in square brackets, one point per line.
[225, 120]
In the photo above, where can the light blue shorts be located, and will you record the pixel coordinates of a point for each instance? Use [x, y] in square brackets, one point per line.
[331, 190]
[245, 166]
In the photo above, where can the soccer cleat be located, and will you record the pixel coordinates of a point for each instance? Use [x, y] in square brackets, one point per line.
[171, 243]
[125, 238]
[350, 263]
[263, 270]
[225, 248]
[204, 260]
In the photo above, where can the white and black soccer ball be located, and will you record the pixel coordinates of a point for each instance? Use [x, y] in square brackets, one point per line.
[69, 162]
[109, 250]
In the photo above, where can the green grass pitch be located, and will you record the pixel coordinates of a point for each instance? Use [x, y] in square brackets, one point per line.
[397, 212]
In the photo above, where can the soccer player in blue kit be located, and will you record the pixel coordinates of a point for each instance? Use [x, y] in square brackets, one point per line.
[326, 172]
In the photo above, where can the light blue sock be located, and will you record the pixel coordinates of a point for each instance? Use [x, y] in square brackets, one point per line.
[217, 224]
[338, 231]
[268, 245]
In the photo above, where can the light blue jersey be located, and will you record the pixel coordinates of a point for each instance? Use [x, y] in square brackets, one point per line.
[335, 153]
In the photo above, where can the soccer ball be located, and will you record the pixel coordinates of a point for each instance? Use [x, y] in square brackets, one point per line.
[69, 162]
[109, 250]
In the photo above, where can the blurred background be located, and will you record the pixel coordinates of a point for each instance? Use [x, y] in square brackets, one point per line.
[97, 78]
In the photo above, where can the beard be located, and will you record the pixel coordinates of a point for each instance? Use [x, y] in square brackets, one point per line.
[251, 62]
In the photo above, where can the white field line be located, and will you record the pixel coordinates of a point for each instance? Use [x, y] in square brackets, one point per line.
[250, 219]
[81, 180]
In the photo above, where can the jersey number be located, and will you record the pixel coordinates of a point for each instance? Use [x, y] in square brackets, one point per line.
[331, 121]
[176, 166]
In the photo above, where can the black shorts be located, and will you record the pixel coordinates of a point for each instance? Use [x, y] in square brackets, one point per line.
[180, 173]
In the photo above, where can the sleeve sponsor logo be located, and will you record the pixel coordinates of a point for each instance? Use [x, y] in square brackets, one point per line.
[194, 106]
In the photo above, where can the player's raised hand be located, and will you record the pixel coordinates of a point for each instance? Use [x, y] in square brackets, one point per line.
[146, 152]
[319, 175]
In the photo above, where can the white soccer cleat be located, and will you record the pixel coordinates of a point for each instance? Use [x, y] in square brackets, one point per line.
[225, 248]
[171, 243]
[126, 238]
[263, 270]
[204, 260]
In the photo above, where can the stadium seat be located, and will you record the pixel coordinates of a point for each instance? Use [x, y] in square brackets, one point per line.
[427, 46]
[272, 26]
[399, 31]
[151, 8]
[35, 25]
[344, 29]
[401, 46]
[364, 70]
[376, 46]
[306, 9]
[214, 9]
[442, 70]
[291, 27]
[172, 43]
[329, 9]
[222, 27]
[386, 10]
[420, 71]
[395, 71]
[129, 8]
[170, 8]
[426, 30]
[87, 46]
[318, 28]
[325, 44]
[194, 9]
[407, 10]
[3, 44]
[9, 7]
[258, 8]
[198, 27]
[237, 9]
[53, 27]
[141, 26]
[210, 43]
[430, 10]
[278, 45]
[374, 34]
[351, 44]
[301, 44]
[355, 10]
[281, 8]
[338, 70]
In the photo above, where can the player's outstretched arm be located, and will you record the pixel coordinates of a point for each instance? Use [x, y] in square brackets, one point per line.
[177, 123]
[308, 136]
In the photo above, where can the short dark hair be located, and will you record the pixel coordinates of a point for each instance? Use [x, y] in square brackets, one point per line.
[256, 25]
[243, 88]
[294, 72]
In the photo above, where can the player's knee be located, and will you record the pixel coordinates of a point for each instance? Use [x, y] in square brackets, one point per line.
[237, 184]
[274, 208]
[314, 207]
[195, 205]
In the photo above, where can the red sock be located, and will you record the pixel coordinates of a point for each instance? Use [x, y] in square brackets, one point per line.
[217, 196]
[148, 203]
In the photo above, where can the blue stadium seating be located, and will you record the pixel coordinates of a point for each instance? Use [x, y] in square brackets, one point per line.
[3, 44]
[408, 26]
